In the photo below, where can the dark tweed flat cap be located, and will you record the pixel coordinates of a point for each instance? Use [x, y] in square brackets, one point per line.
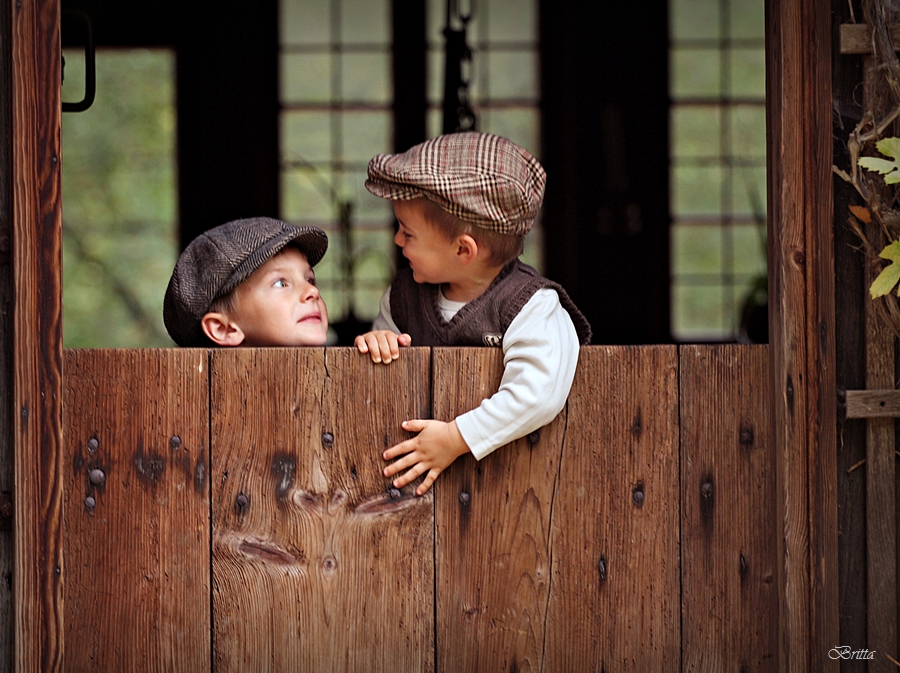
[219, 260]
[481, 178]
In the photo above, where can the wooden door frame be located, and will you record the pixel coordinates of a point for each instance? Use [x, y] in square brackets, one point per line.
[36, 339]
[801, 282]
[802, 328]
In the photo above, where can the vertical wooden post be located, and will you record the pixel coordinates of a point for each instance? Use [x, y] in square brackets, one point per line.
[37, 334]
[801, 300]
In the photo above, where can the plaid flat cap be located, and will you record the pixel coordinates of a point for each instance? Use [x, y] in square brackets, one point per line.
[219, 260]
[481, 178]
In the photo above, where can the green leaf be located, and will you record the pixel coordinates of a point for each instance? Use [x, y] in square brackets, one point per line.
[891, 252]
[890, 147]
[886, 280]
[882, 166]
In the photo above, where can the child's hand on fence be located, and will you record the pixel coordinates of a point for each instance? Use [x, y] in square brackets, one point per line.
[383, 345]
[436, 446]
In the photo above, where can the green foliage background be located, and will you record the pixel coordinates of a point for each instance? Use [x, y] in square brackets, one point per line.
[119, 200]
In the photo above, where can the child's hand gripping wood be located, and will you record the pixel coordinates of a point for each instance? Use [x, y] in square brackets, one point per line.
[436, 446]
[383, 345]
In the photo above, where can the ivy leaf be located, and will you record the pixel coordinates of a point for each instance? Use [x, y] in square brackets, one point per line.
[889, 147]
[889, 169]
[889, 276]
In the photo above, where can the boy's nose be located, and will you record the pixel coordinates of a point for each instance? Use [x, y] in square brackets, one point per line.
[310, 292]
[398, 239]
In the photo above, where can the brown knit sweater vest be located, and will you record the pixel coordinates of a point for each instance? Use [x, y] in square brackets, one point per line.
[481, 322]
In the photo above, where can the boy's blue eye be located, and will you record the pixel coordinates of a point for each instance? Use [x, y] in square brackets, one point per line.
[279, 283]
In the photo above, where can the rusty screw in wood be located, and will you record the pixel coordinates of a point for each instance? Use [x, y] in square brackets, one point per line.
[97, 477]
[601, 568]
[93, 444]
[746, 436]
[327, 440]
[706, 489]
[464, 498]
[534, 437]
[395, 493]
[175, 443]
[90, 502]
[242, 501]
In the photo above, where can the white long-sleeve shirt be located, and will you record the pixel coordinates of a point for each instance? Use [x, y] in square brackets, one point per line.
[540, 352]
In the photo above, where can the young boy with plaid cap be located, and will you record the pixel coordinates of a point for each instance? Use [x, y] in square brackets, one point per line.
[248, 283]
[464, 203]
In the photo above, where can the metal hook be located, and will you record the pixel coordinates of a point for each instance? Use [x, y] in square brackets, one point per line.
[90, 67]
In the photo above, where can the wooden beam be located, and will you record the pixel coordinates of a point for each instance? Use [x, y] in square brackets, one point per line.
[873, 404]
[801, 338]
[856, 38]
[37, 334]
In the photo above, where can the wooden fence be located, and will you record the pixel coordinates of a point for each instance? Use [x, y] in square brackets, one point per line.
[225, 510]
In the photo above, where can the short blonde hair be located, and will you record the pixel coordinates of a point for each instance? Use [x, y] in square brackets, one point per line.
[502, 248]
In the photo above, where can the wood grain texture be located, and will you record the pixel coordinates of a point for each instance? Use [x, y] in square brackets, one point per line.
[6, 348]
[37, 255]
[881, 497]
[856, 38]
[317, 565]
[801, 338]
[614, 595]
[728, 510]
[137, 593]
[873, 403]
[493, 530]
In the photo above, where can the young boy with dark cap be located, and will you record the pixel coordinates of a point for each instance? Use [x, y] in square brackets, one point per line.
[464, 203]
[248, 283]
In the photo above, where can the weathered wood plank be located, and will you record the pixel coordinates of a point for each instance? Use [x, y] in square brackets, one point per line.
[881, 505]
[493, 531]
[801, 305]
[873, 403]
[137, 517]
[317, 564]
[6, 350]
[37, 255]
[856, 38]
[614, 594]
[728, 511]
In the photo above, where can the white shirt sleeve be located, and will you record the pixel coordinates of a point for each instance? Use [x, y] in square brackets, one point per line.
[540, 352]
[384, 320]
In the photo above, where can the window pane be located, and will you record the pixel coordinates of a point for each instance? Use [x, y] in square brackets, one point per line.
[747, 19]
[510, 20]
[748, 193]
[695, 73]
[696, 131]
[304, 23]
[696, 190]
[366, 134]
[748, 73]
[749, 249]
[365, 21]
[694, 20]
[513, 74]
[306, 196]
[748, 131]
[306, 136]
[366, 77]
[698, 313]
[697, 249]
[305, 78]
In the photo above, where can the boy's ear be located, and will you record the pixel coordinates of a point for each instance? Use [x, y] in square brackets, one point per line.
[221, 330]
[467, 249]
